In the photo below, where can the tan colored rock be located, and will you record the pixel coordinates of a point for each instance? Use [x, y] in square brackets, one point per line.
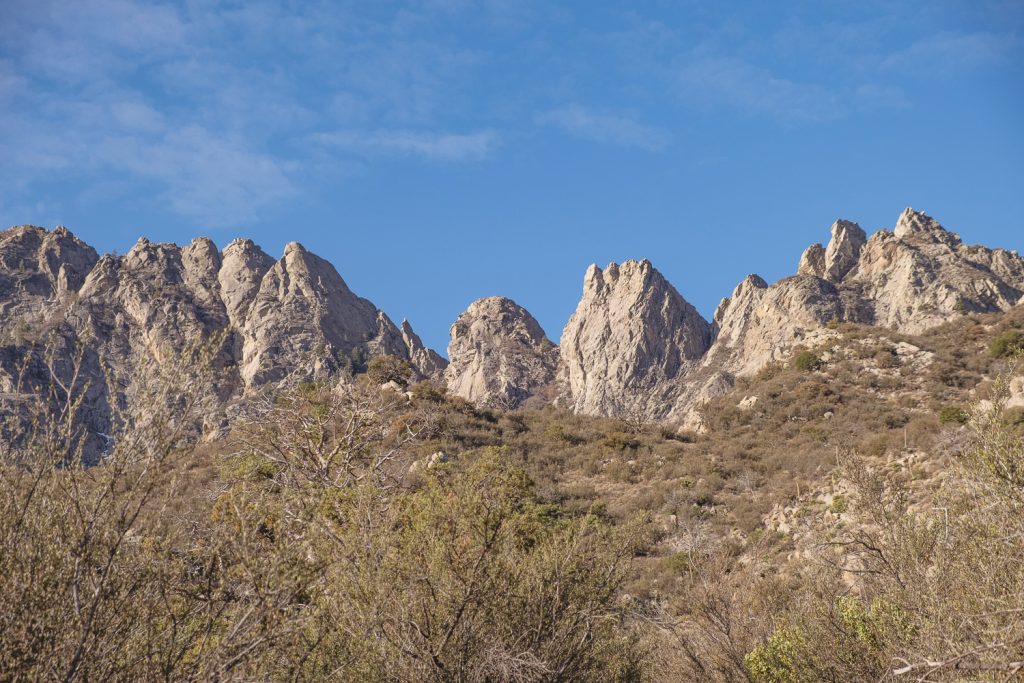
[910, 279]
[498, 354]
[243, 265]
[763, 323]
[839, 258]
[633, 347]
[259, 319]
[305, 317]
[812, 261]
[843, 250]
[630, 343]
[427, 363]
[39, 268]
[921, 275]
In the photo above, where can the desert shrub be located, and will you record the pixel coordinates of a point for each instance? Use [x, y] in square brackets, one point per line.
[839, 504]
[618, 441]
[769, 371]
[429, 392]
[781, 658]
[1007, 344]
[874, 446]
[384, 369]
[557, 432]
[953, 415]
[886, 357]
[1013, 418]
[936, 593]
[313, 556]
[806, 361]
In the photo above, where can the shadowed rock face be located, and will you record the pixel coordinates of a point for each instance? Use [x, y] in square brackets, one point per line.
[261, 320]
[498, 354]
[427, 362]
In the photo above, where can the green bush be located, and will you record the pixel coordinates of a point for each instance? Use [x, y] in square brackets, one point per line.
[1007, 344]
[806, 361]
[778, 660]
[384, 369]
[953, 415]
[839, 504]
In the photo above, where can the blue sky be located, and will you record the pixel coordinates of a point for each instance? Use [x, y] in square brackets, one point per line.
[444, 150]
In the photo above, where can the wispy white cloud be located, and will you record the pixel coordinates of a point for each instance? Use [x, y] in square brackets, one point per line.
[444, 146]
[603, 127]
[756, 90]
[215, 179]
[948, 53]
[208, 110]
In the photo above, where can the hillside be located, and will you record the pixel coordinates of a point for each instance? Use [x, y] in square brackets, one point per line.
[634, 347]
[221, 467]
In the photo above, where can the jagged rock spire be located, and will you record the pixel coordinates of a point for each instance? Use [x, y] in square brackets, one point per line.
[632, 333]
[839, 258]
[499, 355]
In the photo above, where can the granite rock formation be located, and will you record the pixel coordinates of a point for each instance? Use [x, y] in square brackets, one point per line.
[499, 355]
[632, 338]
[123, 319]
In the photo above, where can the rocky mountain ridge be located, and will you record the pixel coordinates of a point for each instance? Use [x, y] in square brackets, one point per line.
[125, 315]
[634, 346]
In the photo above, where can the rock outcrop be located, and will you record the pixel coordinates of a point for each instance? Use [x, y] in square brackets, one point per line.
[39, 268]
[499, 355]
[243, 265]
[426, 362]
[305, 316]
[125, 318]
[623, 355]
[631, 341]
[839, 258]
[759, 323]
[921, 275]
[909, 279]
[633, 347]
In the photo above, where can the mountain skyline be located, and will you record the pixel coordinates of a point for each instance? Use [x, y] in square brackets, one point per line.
[553, 328]
[496, 148]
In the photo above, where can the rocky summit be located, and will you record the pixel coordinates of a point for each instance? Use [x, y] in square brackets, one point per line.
[500, 356]
[120, 317]
[634, 346]
[632, 338]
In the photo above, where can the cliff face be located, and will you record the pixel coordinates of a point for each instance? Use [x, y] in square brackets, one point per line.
[304, 316]
[499, 355]
[127, 317]
[920, 275]
[909, 279]
[634, 346]
[631, 339]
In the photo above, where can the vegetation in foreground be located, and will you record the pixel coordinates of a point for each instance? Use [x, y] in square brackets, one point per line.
[357, 533]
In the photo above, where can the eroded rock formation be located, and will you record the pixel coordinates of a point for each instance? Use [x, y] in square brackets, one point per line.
[124, 318]
[499, 355]
[631, 339]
